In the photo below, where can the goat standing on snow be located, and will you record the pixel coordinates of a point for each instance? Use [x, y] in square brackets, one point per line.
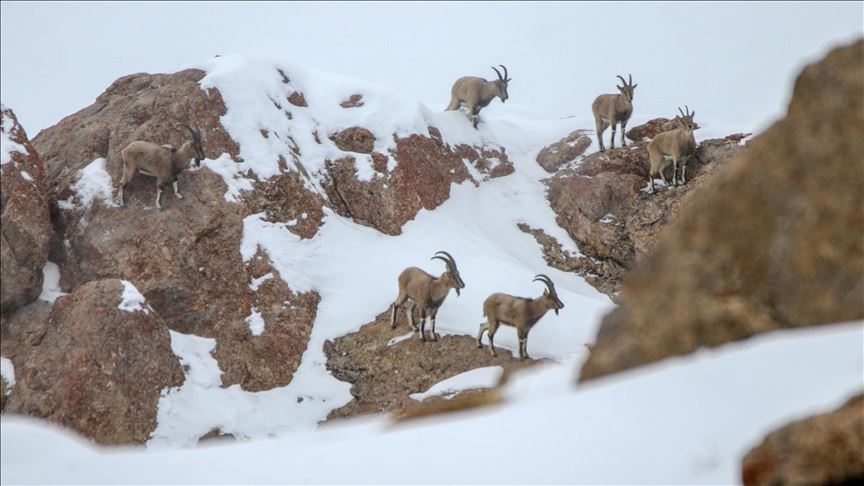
[613, 109]
[519, 312]
[427, 292]
[163, 162]
[475, 93]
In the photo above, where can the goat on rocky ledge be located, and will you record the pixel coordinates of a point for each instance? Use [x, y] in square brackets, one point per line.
[163, 162]
[519, 312]
[675, 146]
[614, 109]
[427, 292]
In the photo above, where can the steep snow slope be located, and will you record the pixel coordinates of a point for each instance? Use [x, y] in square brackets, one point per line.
[354, 267]
[684, 421]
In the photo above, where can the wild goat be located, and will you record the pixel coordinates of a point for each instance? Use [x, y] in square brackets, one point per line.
[676, 146]
[519, 312]
[475, 93]
[427, 292]
[612, 109]
[163, 162]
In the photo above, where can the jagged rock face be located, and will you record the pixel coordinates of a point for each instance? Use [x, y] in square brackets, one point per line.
[98, 369]
[601, 204]
[773, 241]
[425, 169]
[26, 225]
[824, 449]
[185, 258]
[555, 156]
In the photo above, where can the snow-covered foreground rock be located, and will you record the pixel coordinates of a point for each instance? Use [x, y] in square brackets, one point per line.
[686, 420]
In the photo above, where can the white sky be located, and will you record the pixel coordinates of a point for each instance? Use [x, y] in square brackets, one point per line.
[733, 62]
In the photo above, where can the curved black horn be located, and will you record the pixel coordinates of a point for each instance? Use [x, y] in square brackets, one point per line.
[449, 257]
[624, 83]
[497, 72]
[505, 71]
[681, 111]
[630, 83]
[688, 110]
[546, 280]
[445, 260]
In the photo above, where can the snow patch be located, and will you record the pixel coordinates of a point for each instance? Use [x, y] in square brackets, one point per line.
[256, 282]
[7, 372]
[255, 322]
[132, 300]
[93, 183]
[26, 176]
[51, 283]
[7, 145]
[486, 377]
[399, 339]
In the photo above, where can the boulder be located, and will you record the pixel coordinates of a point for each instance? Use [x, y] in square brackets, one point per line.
[772, 241]
[652, 128]
[26, 225]
[101, 365]
[824, 449]
[564, 151]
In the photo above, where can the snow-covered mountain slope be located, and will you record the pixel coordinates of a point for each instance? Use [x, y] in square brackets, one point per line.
[353, 267]
[684, 421]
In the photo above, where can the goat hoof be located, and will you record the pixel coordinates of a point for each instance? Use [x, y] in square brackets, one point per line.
[179, 196]
[435, 336]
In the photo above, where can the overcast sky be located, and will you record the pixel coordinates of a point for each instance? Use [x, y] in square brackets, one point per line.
[730, 61]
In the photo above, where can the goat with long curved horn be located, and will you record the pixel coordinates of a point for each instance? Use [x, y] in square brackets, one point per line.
[476, 93]
[613, 110]
[519, 312]
[426, 292]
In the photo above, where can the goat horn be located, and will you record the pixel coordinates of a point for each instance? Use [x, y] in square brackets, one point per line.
[622, 80]
[681, 111]
[497, 72]
[446, 262]
[449, 257]
[630, 83]
[546, 280]
[688, 110]
[505, 71]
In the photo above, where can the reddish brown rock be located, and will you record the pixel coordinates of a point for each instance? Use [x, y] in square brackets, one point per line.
[564, 151]
[383, 376]
[185, 259]
[425, 169]
[26, 226]
[652, 128]
[98, 369]
[824, 449]
[772, 241]
[354, 139]
[353, 101]
[297, 99]
[613, 221]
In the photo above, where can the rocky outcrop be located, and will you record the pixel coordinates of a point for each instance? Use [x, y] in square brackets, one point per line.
[568, 149]
[185, 259]
[98, 368]
[602, 204]
[652, 128]
[25, 226]
[384, 370]
[825, 449]
[425, 169]
[772, 241]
